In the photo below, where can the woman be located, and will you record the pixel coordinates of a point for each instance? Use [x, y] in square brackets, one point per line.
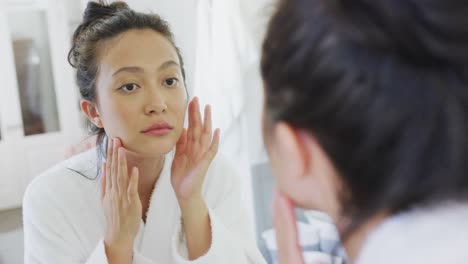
[143, 202]
[366, 118]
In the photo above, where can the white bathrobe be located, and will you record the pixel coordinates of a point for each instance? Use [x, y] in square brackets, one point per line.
[436, 235]
[64, 220]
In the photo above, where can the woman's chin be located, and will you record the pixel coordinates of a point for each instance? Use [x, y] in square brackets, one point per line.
[150, 151]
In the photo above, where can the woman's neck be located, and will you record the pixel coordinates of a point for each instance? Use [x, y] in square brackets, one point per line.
[149, 169]
[355, 242]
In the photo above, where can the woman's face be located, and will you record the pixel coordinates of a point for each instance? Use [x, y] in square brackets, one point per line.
[140, 84]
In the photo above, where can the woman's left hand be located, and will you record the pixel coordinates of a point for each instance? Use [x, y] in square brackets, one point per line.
[284, 221]
[195, 150]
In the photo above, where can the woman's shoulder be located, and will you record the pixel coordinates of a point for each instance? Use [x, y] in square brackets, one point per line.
[65, 178]
[435, 234]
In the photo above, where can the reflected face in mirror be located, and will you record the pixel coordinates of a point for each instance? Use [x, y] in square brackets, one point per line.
[139, 85]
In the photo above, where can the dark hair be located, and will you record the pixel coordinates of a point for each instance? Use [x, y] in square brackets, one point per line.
[103, 21]
[382, 85]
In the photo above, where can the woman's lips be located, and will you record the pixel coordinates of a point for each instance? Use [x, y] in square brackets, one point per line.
[158, 131]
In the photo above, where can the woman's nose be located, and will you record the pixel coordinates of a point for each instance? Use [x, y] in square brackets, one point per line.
[156, 105]
[155, 108]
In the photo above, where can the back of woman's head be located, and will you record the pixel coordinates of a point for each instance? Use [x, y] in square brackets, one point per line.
[383, 86]
[101, 22]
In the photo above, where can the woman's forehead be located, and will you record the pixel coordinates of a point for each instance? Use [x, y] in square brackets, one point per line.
[143, 48]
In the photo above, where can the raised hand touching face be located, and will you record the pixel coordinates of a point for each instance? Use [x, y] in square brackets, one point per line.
[120, 201]
[195, 150]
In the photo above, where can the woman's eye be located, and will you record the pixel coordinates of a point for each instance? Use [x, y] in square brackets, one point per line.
[171, 82]
[129, 87]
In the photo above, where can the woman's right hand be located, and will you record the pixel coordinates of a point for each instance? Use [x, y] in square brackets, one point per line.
[121, 203]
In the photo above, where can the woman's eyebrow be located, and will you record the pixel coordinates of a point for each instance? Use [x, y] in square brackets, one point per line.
[168, 64]
[128, 69]
[136, 69]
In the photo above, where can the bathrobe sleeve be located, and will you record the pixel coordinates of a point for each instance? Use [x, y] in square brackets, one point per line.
[48, 237]
[232, 242]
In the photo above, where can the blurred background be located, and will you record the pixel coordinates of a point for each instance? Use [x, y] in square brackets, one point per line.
[40, 120]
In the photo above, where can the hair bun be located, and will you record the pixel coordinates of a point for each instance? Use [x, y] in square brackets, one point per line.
[94, 12]
[432, 30]
[101, 10]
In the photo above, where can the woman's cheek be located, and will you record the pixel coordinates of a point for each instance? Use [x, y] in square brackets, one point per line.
[123, 117]
[179, 106]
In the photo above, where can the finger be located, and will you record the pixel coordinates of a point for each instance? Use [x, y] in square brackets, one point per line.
[284, 221]
[115, 163]
[207, 133]
[207, 119]
[190, 120]
[110, 151]
[132, 191]
[122, 174]
[213, 150]
[182, 142]
[195, 117]
[103, 180]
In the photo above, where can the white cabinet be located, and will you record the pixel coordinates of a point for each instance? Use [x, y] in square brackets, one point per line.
[39, 110]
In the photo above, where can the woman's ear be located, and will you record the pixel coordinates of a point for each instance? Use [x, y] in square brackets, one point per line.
[289, 162]
[303, 170]
[289, 149]
[91, 111]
